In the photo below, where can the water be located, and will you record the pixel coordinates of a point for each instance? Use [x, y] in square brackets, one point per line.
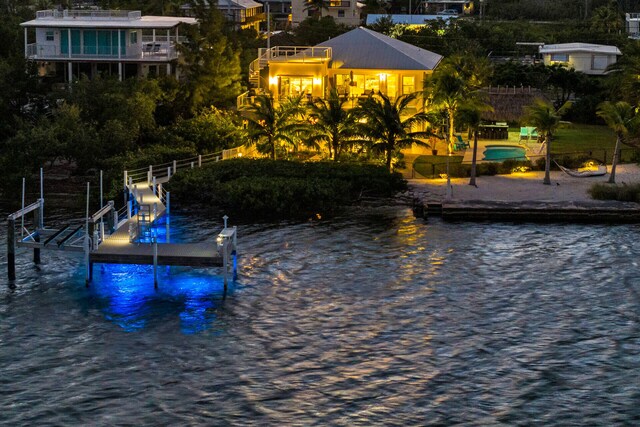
[504, 152]
[373, 319]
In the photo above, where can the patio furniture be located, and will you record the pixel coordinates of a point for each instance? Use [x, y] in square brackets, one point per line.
[461, 144]
[524, 133]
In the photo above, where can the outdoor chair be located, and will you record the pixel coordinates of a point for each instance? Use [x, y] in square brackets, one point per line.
[533, 134]
[461, 143]
[524, 133]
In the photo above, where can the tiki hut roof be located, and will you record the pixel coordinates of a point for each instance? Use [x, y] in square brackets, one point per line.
[509, 102]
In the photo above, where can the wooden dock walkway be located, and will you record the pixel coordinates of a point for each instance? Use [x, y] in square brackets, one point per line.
[128, 235]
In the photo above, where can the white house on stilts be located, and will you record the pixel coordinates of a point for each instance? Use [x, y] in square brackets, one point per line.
[111, 42]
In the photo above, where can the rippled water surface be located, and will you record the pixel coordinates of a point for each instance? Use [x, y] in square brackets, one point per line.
[373, 319]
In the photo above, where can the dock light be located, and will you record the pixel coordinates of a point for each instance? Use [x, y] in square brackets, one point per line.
[220, 241]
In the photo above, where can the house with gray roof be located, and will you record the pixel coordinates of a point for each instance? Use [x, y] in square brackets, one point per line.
[356, 63]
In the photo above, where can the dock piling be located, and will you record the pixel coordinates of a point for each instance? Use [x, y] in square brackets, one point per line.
[11, 249]
[155, 262]
[199, 160]
[36, 237]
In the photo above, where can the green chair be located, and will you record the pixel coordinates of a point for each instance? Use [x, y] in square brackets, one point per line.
[533, 134]
[524, 133]
[460, 143]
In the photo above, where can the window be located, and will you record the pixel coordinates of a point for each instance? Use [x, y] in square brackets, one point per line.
[599, 62]
[408, 84]
[341, 14]
[133, 37]
[295, 86]
[559, 57]
[49, 36]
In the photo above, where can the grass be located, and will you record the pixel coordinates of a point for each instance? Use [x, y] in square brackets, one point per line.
[624, 193]
[433, 166]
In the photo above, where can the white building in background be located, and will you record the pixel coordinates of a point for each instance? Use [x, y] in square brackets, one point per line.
[346, 12]
[112, 42]
[243, 13]
[632, 23]
[592, 59]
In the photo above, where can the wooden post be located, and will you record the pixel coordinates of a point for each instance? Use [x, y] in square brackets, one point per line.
[40, 224]
[191, 165]
[168, 172]
[174, 167]
[199, 160]
[11, 248]
[36, 236]
[168, 217]
[225, 263]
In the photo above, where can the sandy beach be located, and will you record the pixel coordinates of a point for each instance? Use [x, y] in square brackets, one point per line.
[518, 187]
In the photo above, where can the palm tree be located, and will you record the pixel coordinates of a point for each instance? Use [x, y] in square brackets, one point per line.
[389, 124]
[453, 83]
[470, 113]
[332, 124]
[620, 117]
[546, 119]
[271, 125]
[315, 6]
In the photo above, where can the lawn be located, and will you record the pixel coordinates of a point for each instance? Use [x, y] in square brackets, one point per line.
[433, 166]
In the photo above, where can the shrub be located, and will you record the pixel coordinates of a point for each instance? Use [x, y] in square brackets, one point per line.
[622, 193]
[276, 189]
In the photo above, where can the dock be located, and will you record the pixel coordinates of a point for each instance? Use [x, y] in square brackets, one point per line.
[128, 235]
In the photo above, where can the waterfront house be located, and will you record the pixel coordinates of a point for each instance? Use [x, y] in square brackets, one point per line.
[356, 63]
[410, 20]
[592, 59]
[112, 42]
[345, 12]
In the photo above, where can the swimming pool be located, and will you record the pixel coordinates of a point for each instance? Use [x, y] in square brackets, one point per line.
[500, 153]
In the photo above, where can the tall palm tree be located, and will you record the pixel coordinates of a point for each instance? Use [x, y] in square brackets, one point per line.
[470, 113]
[544, 117]
[452, 83]
[389, 125]
[620, 117]
[332, 123]
[272, 125]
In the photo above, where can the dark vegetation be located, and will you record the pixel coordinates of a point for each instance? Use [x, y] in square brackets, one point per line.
[619, 192]
[109, 125]
[275, 189]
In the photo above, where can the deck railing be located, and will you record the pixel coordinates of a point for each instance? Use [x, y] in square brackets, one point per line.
[158, 51]
[94, 15]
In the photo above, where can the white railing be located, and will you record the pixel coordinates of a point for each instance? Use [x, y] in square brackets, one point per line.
[94, 15]
[298, 52]
[630, 16]
[155, 51]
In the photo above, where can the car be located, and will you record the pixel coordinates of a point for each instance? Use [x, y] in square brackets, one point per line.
[448, 12]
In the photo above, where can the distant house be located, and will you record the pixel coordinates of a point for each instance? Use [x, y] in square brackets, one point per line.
[588, 58]
[632, 23]
[94, 42]
[346, 12]
[244, 13]
[356, 63]
[449, 7]
[406, 19]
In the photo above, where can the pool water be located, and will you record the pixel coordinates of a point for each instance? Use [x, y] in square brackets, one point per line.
[501, 153]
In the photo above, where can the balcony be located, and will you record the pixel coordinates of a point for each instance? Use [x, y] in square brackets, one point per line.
[296, 53]
[146, 52]
[92, 15]
[338, 4]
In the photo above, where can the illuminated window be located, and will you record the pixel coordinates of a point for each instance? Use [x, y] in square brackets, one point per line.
[408, 84]
[295, 86]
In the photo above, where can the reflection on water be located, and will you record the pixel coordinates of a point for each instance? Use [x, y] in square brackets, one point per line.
[373, 319]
